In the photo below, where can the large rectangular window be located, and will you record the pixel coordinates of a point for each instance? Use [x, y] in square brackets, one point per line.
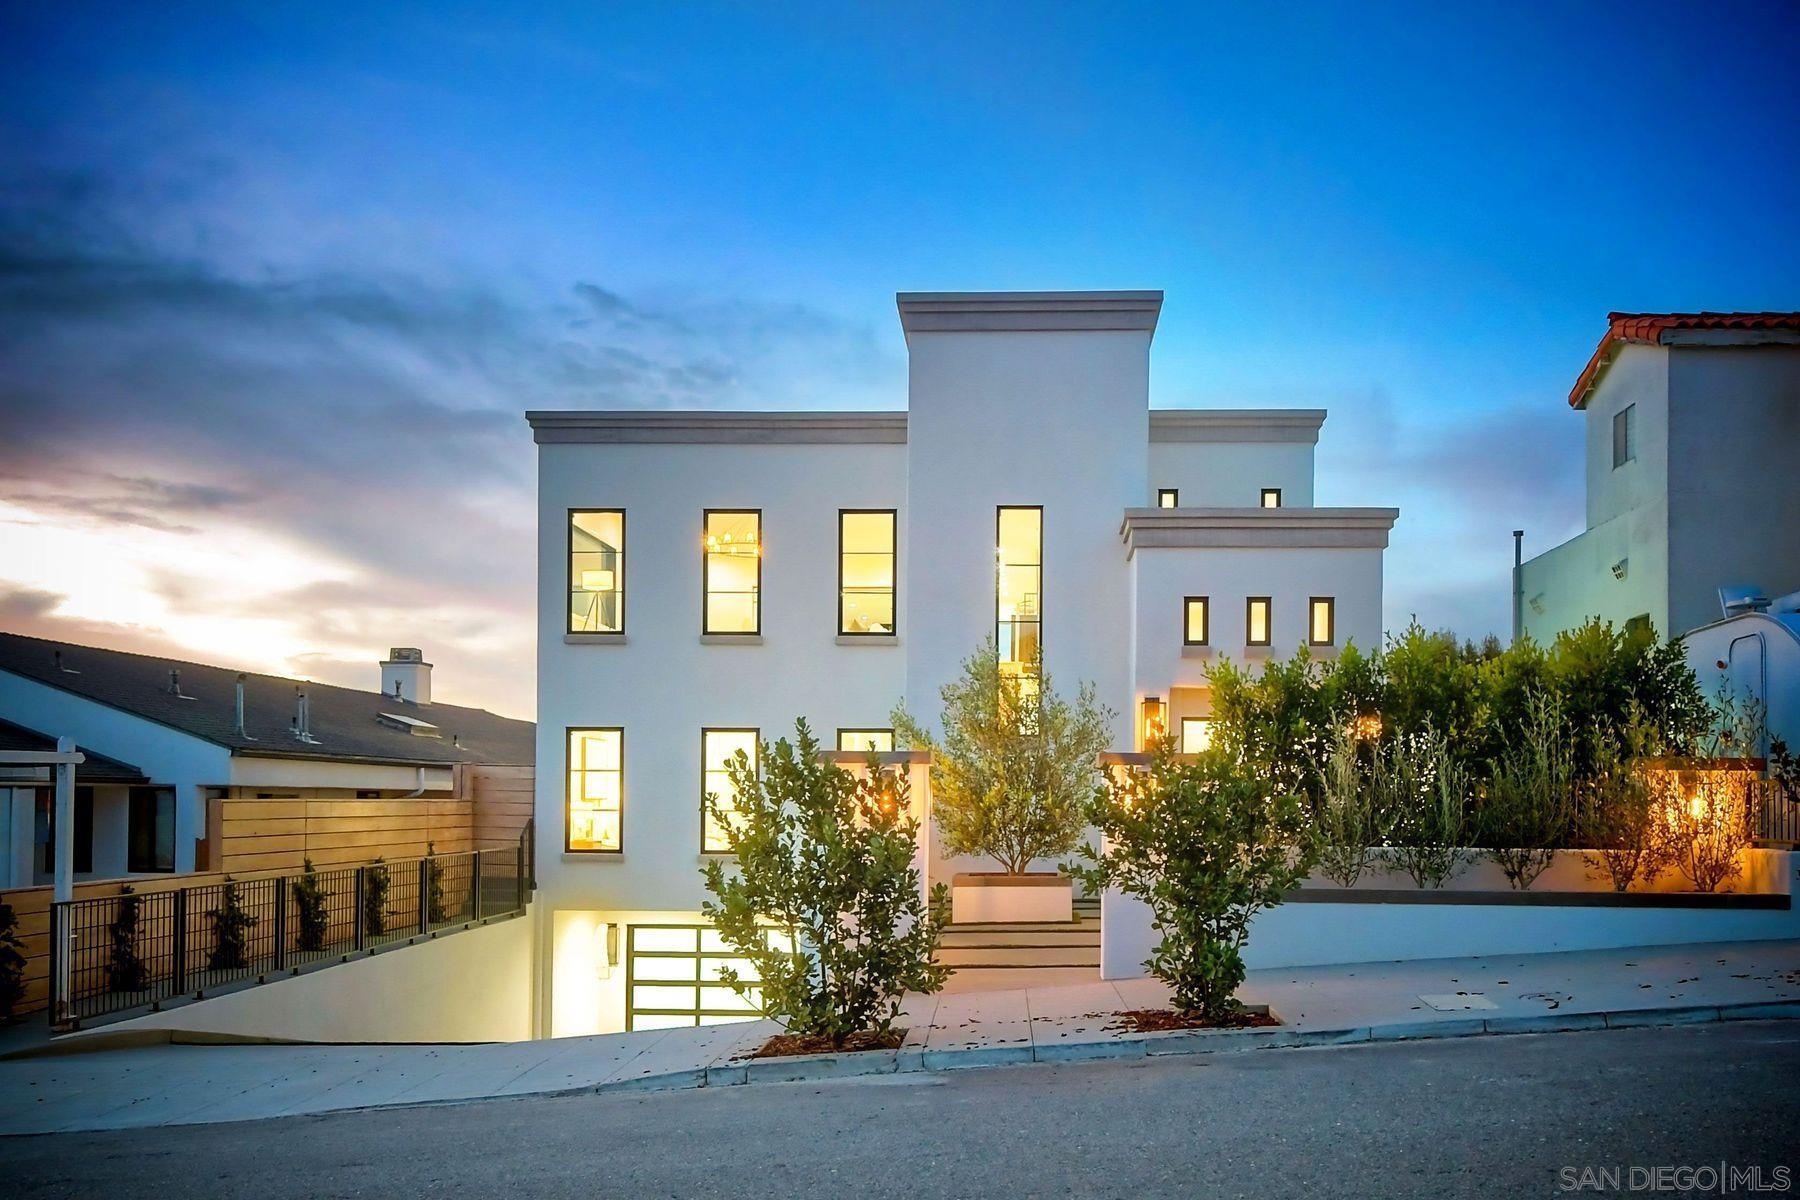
[1624, 435]
[717, 748]
[1321, 621]
[866, 572]
[1018, 589]
[732, 571]
[1196, 620]
[864, 740]
[596, 794]
[597, 570]
[1258, 617]
[150, 830]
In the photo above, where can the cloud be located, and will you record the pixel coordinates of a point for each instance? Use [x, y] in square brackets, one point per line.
[368, 422]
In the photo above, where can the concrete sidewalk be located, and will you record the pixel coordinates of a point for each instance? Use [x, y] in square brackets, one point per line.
[175, 1084]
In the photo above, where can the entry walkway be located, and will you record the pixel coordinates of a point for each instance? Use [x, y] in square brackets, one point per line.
[175, 1084]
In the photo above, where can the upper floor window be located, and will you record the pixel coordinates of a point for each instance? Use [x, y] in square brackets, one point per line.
[1258, 617]
[1018, 589]
[1321, 621]
[866, 572]
[718, 747]
[1271, 498]
[880, 741]
[1168, 498]
[1195, 620]
[596, 791]
[732, 572]
[597, 570]
[1624, 436]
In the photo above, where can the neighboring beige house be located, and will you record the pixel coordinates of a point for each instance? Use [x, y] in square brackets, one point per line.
[1693, 438]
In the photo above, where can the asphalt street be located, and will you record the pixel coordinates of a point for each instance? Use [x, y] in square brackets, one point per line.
[1537, 1115]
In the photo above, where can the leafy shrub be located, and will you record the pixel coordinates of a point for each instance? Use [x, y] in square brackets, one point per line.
[125, 970]
[309, 906]
[1347, 824]
[1013, 769]
[1617, 815]
[1206, 844]
[1420, 780]
[1528, 807]
[374, 899]
[823, 897]
[437, 910]
[1706, 817]
[231, 926]
[12, 962]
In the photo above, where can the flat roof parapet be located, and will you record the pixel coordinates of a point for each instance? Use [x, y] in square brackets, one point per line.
[1028, 312]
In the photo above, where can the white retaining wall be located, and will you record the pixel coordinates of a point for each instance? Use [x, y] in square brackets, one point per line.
[1321, 934]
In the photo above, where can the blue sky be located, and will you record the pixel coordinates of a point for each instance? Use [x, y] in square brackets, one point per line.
[247, 255]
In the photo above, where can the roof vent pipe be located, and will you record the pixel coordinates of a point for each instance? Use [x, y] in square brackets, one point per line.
[174, 682]
[237, 722]
[303, 717]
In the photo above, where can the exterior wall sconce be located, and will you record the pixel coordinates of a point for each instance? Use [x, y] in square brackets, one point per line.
[1156, 721]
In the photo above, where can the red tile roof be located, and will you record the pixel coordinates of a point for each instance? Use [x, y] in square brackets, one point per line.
[1648, 329]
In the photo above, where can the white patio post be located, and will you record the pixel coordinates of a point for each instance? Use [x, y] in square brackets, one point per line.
[64, 825]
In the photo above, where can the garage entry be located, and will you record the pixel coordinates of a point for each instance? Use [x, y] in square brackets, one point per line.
[672, 978]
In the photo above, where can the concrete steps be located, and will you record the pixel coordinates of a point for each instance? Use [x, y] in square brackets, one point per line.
[1021, 956]
[1025, 953]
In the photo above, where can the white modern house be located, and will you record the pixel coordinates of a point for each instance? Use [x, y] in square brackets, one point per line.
[1692, 435]
[707, 577]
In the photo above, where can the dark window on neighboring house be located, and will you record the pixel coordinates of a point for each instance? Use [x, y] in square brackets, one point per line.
[1638, 624]
[84, 828]
[1624, 436]
[150, 830]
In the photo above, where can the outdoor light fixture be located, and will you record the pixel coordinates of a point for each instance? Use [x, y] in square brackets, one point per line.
[1156, 722]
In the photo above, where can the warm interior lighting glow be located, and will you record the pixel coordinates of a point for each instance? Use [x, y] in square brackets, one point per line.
[1156, 721]
[1018, 581]
[1196, 618]
[596, 561]
[865, 573]
[1196, 734]
[1321, 621]
[596, 789]
[880, 741]
[718, 747]
[1256, 621]
[733, 571]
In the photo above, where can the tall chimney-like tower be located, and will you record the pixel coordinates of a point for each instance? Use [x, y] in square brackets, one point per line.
[406, 676]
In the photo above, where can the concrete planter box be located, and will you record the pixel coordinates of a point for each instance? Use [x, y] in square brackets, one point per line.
[989, 896]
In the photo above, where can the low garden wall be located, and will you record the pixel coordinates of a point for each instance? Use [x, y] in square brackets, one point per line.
[1384, 918]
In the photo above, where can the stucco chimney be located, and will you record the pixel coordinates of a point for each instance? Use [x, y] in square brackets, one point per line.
[406, 676]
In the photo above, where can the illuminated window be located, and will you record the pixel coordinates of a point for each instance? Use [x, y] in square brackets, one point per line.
[717, 748]
[733, 571]
[1196, 621]
[881, 741]
[1018, 590]
[1271, 498]
[1624, 435]
[1321, 621]
[1168, 498]
[1196, 734]
[672, 978]
[597, 571]
[866, 572]
[596, 795]
[1256, 621]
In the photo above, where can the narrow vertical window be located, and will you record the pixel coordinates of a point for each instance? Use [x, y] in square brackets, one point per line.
[881, 741]
[1271, 497]
[1256, 621]
[1168, 498]
[597, 570]
[1018, 590]
[150, 830]
[717, 748]
[866, 572]
[1624, 435]
[732, 571]
[596, 795]
[1196, 734]
[1321, 621]
[1195, 621]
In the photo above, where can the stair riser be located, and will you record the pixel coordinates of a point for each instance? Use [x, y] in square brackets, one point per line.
[965, 940]
[1023, 956]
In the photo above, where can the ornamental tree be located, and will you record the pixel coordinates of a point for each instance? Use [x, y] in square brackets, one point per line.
[1012, 773]
[1207, 844]
[823, 898]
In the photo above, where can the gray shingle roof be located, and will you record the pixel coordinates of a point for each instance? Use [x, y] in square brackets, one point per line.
[97, 769]
[344, 721]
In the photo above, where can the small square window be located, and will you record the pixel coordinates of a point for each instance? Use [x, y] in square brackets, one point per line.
[1271, 498]
[1168, 498]
[1624, 436]
[1321, 621]
[1196, 621]
[1258, 617]
[1196, 734]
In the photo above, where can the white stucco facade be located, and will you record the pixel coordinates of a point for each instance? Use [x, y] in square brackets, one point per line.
[1037, 400]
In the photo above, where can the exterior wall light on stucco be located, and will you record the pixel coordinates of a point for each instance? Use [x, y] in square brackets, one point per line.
[1156, 721]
